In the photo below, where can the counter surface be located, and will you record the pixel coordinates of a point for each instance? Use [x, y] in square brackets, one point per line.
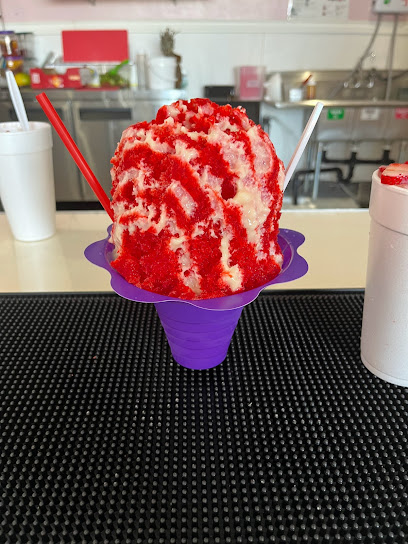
[335, 248]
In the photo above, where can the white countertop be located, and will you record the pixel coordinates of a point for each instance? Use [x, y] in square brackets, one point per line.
[335, 248]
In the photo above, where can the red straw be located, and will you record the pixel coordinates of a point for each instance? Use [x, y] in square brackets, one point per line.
[65, 136]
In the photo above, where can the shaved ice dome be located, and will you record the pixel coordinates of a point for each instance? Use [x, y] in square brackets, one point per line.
[196, 196]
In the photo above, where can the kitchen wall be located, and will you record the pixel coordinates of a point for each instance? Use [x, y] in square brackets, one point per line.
[18, 11]
[215, 36]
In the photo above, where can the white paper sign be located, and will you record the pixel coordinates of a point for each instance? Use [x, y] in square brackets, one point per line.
[307, 9]
[370, 114]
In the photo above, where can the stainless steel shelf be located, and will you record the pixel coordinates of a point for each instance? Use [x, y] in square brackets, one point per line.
[91, 94]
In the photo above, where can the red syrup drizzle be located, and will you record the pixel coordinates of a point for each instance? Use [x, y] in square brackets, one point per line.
[145, 258]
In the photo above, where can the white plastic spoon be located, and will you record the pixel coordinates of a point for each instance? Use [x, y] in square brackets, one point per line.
[17, 100]
[302, 142]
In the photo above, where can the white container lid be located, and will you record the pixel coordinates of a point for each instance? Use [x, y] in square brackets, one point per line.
[15, 141]
[389, 205]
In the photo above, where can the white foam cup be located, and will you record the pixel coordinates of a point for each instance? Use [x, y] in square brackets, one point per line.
[27, 180]
[384, 336]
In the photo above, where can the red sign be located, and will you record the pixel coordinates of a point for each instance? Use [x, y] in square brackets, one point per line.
[95, 45]
[401, 113]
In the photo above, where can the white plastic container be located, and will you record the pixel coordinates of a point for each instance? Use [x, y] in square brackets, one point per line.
[384, 337]
[162, 73]
[27, 180]
[251, 82]
[273, 88]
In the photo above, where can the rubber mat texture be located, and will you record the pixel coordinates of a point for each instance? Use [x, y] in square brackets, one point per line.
[104, 438]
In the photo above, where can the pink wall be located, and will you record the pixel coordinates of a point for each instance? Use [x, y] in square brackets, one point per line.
[20, 11]
[360, 10]
[81, 10]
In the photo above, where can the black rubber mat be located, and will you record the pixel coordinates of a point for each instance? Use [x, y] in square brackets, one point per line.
[104, 438]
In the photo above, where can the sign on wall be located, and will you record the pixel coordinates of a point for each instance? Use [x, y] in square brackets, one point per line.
[313, 9]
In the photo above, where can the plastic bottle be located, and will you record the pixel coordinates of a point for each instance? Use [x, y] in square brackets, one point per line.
[142, 76]
[311, 89]
[133, 73]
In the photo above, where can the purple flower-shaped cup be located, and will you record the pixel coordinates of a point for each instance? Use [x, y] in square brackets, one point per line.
[199, 332]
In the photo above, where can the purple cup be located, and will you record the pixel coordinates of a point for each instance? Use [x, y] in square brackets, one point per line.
[198, 338]
[199, 332]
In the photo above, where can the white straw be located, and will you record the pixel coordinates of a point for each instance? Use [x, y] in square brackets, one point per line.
[302, 142]
[17, 100]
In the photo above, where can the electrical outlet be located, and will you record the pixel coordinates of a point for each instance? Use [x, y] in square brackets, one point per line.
[390, 6]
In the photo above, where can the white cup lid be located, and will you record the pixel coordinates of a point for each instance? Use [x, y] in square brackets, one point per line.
[15, 141]
[389, 205]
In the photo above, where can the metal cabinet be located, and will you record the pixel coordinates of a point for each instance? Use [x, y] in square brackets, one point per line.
[66, 175]
[357, 143]
[99, 121]
[98, 129]
[351, 139]
[95, 120]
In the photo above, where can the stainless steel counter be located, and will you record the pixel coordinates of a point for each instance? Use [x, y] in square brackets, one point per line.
[58, 263]
[351, 139]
